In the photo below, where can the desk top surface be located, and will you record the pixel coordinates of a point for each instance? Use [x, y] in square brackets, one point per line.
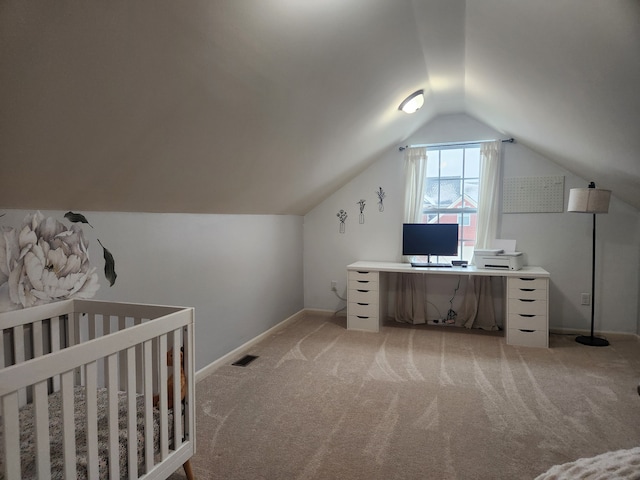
[469, 270]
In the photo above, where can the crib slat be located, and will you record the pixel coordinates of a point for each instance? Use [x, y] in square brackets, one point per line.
[18, 352]
[77, 340]
[164, 423]
[148, 405]
[177, 390]
[98, 325]
[112, 406]
[132, 438]
[37, 338]
[41, 411]
[92, 419]
[71, 330]
[18, 344]
[68, 426]
[122, 324]
[139, 365]
[41, 429]
[11, 436]
[189, 417]
[55, 346]
[92, 325]
[2, 363]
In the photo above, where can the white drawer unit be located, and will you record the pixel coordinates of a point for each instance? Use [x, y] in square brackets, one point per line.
[364, 309]
[528, 311]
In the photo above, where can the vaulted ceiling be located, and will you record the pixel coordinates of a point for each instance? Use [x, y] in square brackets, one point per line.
[268, 106]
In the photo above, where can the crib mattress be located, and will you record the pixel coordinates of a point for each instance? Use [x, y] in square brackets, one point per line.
[27, 440]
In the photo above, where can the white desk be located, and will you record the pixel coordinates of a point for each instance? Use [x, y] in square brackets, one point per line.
[527, 297]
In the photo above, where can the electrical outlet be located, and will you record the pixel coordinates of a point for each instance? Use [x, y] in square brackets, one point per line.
[585, 299]
[334, 285]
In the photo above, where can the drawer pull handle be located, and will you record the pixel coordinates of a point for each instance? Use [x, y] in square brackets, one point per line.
[362, 303]
[364, 273]
[526, 300]
[527, 289]
[361, 316]
[362, 281]
[527, 331]
[526, 315]
[527, 279]
[363, 291]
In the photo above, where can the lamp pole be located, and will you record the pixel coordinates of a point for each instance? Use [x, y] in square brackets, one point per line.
[592, 340]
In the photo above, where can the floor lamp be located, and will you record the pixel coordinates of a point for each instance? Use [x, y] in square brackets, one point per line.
[590, 200]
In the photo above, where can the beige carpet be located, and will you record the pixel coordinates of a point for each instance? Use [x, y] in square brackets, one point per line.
[322, 402]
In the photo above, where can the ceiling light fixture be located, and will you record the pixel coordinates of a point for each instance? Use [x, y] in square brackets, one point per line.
[413, 102]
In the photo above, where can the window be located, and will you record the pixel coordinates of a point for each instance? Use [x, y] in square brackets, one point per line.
[451, 191]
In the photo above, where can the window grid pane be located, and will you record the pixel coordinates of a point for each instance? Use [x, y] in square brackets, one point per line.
[451, 192]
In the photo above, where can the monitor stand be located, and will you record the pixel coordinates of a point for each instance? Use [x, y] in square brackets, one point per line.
[429, 263]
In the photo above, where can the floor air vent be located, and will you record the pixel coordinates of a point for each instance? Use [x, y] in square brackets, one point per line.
[244, 361]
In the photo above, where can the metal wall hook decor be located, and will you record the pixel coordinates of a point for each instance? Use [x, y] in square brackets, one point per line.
[362, 203]
[380, 193]
[342, 216]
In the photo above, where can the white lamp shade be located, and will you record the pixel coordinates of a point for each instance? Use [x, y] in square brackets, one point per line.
[589, 200]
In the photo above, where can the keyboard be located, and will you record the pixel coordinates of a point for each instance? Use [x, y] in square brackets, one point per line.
[439, 265]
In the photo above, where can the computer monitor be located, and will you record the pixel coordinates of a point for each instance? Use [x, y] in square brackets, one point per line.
[426, 239]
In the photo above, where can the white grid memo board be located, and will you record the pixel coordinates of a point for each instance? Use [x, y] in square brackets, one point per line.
[533, 195]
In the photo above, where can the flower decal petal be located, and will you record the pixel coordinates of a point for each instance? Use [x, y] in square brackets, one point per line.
[9, 251]
[45, 261]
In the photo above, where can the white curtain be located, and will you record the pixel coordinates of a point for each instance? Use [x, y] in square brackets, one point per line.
[487, 218]
[415, 167]
[477, 307]
[411, 304]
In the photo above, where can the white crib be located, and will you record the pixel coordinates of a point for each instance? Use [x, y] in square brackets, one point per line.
[77, 381]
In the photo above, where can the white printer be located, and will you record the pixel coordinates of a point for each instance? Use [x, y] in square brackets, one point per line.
[498, 259]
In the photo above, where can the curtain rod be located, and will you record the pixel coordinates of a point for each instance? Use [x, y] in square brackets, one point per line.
[454, 144]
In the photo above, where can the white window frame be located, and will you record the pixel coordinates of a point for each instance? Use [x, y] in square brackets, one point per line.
[434, 154]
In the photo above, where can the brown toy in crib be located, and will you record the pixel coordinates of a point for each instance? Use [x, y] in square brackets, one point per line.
[183, 382]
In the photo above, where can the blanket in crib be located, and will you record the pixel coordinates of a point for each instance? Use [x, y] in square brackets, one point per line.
[27, 440]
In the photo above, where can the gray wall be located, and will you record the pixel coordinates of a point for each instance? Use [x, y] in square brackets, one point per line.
[242, 273]
[558, 242]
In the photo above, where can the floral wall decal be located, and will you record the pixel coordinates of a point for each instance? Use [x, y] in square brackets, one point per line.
[380, 193]
[109, 262]
[45, 261]
[361, 202]
[342, 216]
[109, 265]
[77, 217]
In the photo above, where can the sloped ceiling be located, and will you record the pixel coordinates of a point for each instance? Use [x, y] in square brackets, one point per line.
[268, 106]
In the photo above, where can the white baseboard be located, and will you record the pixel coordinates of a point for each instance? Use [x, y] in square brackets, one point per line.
[213, 366]
[323, 313]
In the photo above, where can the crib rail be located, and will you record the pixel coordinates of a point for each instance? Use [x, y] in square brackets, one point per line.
[117, 347]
